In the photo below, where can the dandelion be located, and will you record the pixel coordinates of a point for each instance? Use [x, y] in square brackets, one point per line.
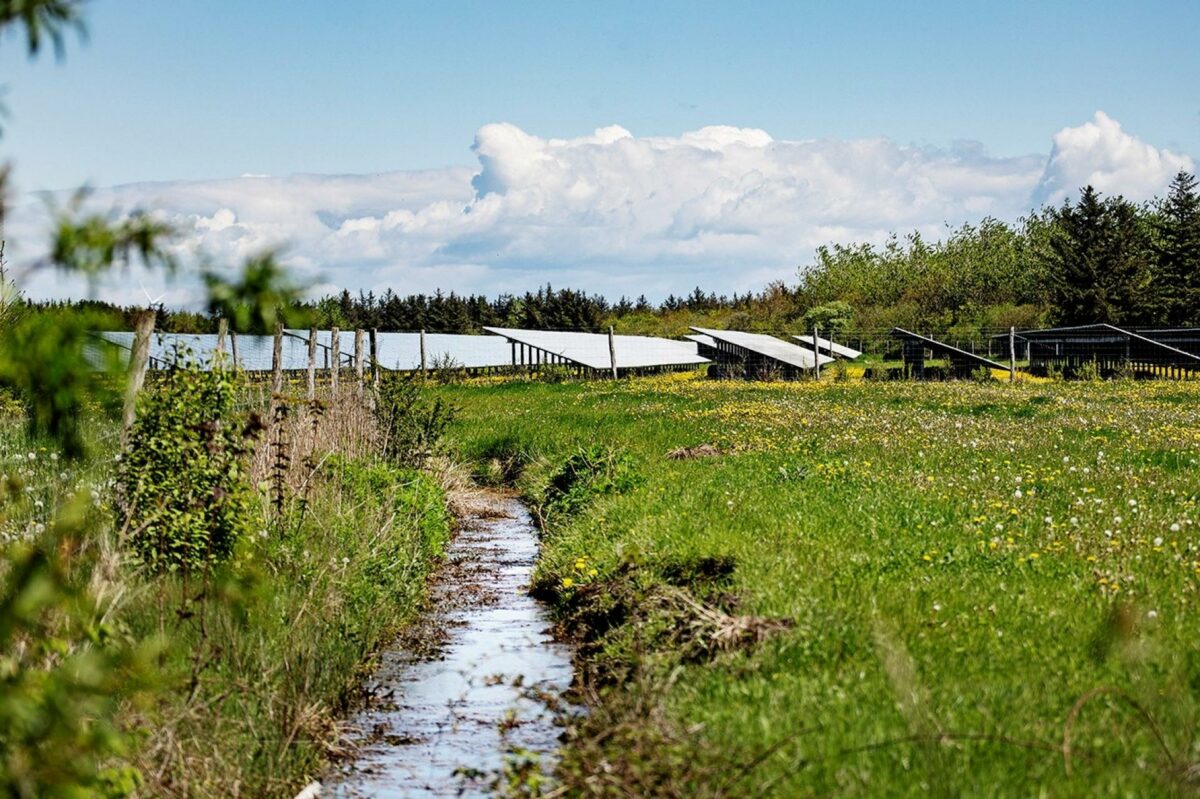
[1017, 494]
[1158, 541]
[567, 582]
[1175, 527]
[1152, 614]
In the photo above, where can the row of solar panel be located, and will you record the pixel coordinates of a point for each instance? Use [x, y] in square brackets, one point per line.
[505, 347]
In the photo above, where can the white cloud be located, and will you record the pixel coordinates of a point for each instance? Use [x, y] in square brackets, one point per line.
[727, 208]
[1100, 154]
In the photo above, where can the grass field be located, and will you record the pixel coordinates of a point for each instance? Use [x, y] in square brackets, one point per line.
[873, 589]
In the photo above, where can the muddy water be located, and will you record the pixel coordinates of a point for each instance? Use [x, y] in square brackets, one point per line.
[442, 711]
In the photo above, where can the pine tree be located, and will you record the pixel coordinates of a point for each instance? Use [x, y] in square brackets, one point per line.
[1100, 270]
[1177, 252]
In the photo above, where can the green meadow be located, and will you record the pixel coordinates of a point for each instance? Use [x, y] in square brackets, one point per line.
[864, 589]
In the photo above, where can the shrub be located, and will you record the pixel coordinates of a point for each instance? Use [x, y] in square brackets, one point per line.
[553, 373]
[1088, 370]
[412, 427]
[185, 493]
[982, 374]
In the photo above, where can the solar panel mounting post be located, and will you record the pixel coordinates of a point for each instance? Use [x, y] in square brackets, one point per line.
[138, 358]
[612, 352]
[1012, 354]
[817, 350]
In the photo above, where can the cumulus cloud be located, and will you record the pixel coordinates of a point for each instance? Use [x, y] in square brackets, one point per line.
[1100, 154]
[724, 207]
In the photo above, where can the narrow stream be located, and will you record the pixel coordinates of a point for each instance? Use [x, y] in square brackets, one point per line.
[446, 707]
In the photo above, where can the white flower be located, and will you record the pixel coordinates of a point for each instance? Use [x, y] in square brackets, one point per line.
[1158, 541]
[1175, 527]
[39, 528]
[32, 456]
[1049, 520]
[1018, 494]
[1133, 503]
[1152, 614]
[1074, 520]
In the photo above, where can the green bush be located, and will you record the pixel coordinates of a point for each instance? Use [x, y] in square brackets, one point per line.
[412, 427]
[185, 495]
[1088, 370]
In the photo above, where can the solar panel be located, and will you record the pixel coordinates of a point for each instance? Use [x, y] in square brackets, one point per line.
[591, 349]
[402, 351]
[826, 345]
[768, 347]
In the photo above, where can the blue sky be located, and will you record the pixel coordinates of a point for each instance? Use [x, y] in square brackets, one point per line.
[192, 89]
[617, 147]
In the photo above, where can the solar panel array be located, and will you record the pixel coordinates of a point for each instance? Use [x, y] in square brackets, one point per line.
[399, 351]
[765, 346]
[591, 350]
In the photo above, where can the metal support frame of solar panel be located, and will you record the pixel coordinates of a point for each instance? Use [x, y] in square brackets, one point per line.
[761, 355]
[915, 345]
[591, 350]
[829, 347]
[1111, 348]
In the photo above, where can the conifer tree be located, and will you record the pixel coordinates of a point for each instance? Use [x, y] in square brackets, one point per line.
[1177, 252]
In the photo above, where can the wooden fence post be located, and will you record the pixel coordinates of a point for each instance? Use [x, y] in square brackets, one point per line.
[424, 365]
[233, 349]
[312, 364]
[277, 363]
[375, 357]
[222, 332]
[612, 352]
[335, 357]
[138, 358]
[359, 359]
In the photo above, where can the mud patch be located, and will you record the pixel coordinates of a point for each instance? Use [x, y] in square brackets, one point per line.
[691, 453]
